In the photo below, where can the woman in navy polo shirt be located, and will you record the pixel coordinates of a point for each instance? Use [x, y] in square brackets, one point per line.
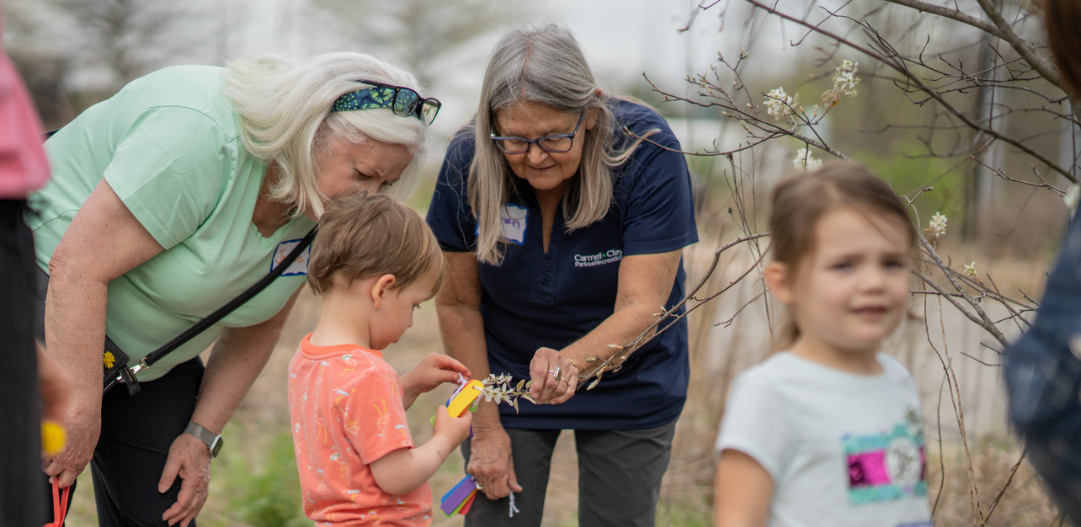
[563, 235]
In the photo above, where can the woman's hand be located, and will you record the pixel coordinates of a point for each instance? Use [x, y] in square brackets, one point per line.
[490, 462]
[434, 370]
[83, 428]
[554, 377]
[188, 458]
[462, 326]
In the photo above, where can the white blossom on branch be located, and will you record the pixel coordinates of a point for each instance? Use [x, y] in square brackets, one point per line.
[805, 160]
[844, 83]
[780, 105]
[937, 226]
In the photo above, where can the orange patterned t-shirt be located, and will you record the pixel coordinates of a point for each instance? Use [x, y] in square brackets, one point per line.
[345, 403]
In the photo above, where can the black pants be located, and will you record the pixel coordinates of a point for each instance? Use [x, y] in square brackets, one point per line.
[619, 477]
[20, 412]
[136, 433]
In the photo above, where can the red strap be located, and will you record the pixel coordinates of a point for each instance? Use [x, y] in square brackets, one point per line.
[60, 504]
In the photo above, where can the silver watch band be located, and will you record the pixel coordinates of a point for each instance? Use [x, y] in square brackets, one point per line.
[213, 441]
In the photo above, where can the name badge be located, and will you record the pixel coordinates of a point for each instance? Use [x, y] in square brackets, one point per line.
[512, 224]
[300, 266]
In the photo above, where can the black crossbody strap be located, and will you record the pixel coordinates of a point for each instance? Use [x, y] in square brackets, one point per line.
[231, 305]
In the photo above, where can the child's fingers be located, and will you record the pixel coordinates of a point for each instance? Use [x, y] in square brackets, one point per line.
[444, 362]
[441, 418]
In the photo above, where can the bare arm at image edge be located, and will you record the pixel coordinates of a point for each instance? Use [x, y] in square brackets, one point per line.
[104, 241]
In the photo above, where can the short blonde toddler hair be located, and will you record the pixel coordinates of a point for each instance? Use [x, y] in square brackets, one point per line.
[364, 235]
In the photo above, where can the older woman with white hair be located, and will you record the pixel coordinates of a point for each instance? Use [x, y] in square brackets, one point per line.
[563, 232]
[168, 200]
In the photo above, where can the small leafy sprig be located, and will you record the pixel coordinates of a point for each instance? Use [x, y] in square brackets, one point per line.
[497, 388]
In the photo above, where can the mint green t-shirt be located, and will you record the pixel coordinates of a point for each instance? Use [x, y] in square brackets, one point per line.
[169, 145]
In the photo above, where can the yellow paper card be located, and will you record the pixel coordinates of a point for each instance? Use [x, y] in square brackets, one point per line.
[465, 398]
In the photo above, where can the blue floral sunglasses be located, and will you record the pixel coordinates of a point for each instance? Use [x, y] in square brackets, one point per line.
[402, 101]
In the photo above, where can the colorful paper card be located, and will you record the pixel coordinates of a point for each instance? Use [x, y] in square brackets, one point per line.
[455, 497]
[464, 507]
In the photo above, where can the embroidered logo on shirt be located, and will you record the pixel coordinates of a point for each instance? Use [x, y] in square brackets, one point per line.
[601, 258]
[512, 224]
[300, 266]
[886, 467]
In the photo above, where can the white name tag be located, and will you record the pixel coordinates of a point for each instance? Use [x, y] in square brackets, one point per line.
[300, 266]
[512, 224]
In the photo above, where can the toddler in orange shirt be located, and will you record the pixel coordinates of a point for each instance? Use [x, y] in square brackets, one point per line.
[374, 262]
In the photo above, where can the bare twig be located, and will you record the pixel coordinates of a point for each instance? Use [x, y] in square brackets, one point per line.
[994, 504]
[614, 361]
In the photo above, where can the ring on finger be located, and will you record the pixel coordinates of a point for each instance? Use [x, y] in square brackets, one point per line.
[559, 373]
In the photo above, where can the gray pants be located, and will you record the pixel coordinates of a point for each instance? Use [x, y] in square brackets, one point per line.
[619, 477]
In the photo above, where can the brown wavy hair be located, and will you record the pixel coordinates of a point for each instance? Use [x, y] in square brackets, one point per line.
[801, 200]
[364, 235]
[1062, 18]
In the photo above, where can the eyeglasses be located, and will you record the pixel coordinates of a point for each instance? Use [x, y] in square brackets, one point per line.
[550, 143]
[402, 101]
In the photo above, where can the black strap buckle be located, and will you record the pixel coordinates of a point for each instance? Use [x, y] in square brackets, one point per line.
[130, 380]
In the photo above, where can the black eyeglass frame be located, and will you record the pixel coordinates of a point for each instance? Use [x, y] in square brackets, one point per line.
[418, 110]
[496, 139]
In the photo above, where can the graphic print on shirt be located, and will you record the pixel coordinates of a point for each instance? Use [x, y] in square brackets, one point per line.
[341, 408]
[887, 466]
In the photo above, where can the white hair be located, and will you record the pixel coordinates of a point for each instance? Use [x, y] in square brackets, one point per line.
[284, 108]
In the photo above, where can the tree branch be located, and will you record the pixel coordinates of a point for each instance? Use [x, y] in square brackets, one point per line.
[954, 14]
[1023, 47]
[918, 83]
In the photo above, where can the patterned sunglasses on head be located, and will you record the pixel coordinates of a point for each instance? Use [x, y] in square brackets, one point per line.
[402, 101]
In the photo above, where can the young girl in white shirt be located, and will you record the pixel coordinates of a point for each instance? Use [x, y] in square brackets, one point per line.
[828, 432]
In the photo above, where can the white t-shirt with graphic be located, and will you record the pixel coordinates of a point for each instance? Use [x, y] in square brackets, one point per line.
[841, 448]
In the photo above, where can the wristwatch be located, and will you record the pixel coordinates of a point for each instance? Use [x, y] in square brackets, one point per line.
[213, 441]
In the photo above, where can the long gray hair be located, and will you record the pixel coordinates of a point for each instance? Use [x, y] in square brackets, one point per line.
[543, 65]
[284, 108]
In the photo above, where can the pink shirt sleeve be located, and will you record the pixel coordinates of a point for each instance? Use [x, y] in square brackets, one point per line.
[23, 166]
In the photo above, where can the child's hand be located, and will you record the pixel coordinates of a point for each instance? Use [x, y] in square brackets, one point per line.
[455, 429]
[434, 370]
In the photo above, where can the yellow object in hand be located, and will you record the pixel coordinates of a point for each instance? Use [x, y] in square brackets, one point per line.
[53, 437]
[465, 398]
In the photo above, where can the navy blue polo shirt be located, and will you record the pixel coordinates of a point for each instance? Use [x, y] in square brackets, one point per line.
[536, 299]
